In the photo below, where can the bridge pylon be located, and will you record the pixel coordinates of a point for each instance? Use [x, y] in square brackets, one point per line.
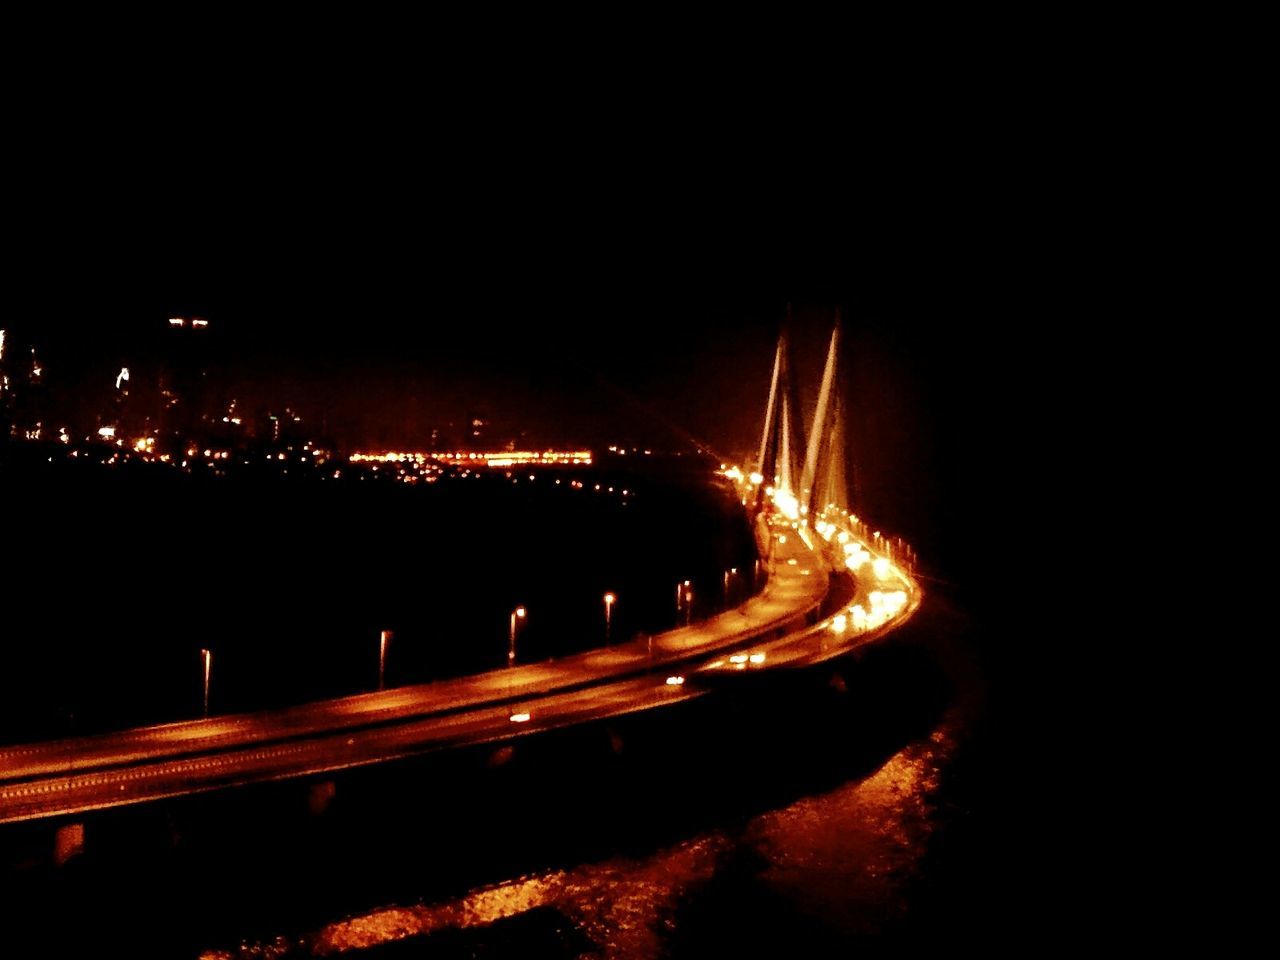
[823, 483]
[780, 460]
[806, 478]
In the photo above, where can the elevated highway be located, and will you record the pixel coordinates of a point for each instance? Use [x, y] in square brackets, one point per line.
[778, 629]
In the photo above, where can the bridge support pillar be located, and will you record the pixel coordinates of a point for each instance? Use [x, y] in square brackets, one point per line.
[320, 796]
[68, 842]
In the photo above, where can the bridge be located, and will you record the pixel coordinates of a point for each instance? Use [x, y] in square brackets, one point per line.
[832, 584]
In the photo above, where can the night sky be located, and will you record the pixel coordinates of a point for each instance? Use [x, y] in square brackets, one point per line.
[581, 284]
[576, 259]
[644, 320]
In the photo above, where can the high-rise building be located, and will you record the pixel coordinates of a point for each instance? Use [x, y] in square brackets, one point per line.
[23, 398]
[185, 406]
[6, 387]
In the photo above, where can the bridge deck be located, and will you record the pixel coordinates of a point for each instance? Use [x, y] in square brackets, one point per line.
[133, 766]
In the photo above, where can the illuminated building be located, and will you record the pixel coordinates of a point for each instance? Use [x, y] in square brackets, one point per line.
[501, 458]
[184, 403]
[23, 398]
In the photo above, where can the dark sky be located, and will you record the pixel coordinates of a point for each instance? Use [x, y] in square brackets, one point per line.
[554, 272]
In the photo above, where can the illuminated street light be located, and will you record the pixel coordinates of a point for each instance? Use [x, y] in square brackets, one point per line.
[207, 656]
[609, 601]
[684, 597]
[382, 657]
[728, 575]
[517, 614]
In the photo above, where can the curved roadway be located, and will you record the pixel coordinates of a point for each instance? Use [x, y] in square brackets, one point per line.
[769, 631]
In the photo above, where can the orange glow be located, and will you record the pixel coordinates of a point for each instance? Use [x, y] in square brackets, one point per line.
[504, 458]
[787, 504]
[675, 681]
[519, 718]
[610, 598]
[520, 612]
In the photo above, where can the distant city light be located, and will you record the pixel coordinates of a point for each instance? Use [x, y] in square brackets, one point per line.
[2, 339]
[504, 458]
[199, 322]
[122, 377]
[107, 433]
[176, 321]
[675, 681]
[519, 718]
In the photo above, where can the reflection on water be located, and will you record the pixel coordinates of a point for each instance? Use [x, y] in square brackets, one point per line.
[845, 856]
[839, 861]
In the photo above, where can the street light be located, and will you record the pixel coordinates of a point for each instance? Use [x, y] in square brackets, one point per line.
[207, 656]
[683, 596]
[382, 657]
[517, 614]
[731, 572]
[609, 601]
